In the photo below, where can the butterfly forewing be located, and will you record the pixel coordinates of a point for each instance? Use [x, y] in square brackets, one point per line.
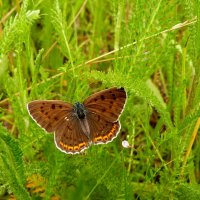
[102, 131]
[69, 137]
[49, 114]
[108, 103]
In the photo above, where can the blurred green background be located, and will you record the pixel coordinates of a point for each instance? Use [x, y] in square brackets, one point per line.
[69, 49]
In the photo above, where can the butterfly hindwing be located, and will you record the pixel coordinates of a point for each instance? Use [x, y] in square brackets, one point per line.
[102, 131]
[69, 136]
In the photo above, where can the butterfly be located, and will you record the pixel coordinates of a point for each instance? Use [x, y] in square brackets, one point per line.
[76, 127]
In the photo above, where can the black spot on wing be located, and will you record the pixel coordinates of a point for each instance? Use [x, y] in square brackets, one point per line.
[102, 97]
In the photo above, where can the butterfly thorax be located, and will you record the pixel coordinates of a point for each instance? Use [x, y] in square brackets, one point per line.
[79, 110]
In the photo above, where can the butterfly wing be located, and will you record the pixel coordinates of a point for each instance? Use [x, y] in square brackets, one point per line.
[58, 116]
[102, 131]
[107, 103]
[49, 113]
[69, 136]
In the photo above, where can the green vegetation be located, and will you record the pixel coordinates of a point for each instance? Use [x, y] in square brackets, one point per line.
[67, 50]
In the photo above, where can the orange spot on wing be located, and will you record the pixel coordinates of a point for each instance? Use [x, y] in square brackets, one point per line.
[113, 131]
[64, 146]
[81, 145]
[75, 148]
[105, 138]
[70, 148]
[98, 139]
[110, 134]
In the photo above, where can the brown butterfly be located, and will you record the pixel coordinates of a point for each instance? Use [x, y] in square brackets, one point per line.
[76, 127]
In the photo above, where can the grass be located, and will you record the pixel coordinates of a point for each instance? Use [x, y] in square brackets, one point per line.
[68, 50]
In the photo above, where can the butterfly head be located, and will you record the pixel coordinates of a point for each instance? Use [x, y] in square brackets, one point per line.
[79, 110]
